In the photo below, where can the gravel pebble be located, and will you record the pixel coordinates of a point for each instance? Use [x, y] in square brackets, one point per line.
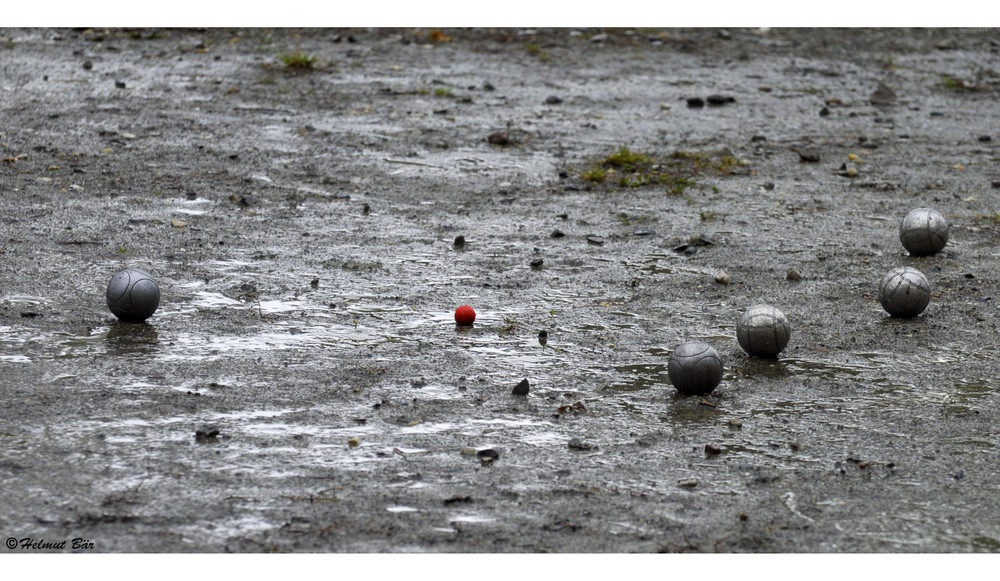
[488, 454]
[499, 138]
[809, 154]
[720, 99]
[883, 95]
[206, 434]
[722, 277]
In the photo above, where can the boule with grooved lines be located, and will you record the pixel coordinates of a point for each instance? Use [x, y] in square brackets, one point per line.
[133, 295]
[904, 292]
[695, 368]
[923, 232]
[763, 331]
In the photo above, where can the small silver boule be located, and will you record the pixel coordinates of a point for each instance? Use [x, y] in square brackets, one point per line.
[695, 368]
[923, 232]
[133, 295]
[904, 292]
[763, 331]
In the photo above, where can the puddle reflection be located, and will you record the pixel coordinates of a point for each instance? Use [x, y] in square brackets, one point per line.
[132, 338]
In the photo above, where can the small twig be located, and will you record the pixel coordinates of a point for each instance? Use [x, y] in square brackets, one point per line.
[403, 161]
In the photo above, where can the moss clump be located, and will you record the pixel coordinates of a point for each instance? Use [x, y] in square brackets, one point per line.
[537, 51]
[676, 172]
[298, 60]
[987, 219]
[626, 160]
[595, 174]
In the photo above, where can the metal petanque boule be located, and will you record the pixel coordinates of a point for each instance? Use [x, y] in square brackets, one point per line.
[923, 232]
[904, 292]
[763, 331]
[695, 368]
[133, 295]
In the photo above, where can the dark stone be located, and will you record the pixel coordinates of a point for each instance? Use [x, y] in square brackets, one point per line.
[695, 102]
[553, 100]
[557, 233]
[824, 112]
[883, 95]
[537, 263]
[459, 241]
[488, 454]
[87, 65]
[692, 245]
[717, 100]
[757, 138]
[712, 450]
[499, 138]
[206, 434]
[578, 444]
[119, 84]
[702, 240]
[522, 388]
[809, 154]
[985, 138]
[595, 240]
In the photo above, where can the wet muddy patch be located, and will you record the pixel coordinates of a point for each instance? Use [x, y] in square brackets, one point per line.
[304, 386]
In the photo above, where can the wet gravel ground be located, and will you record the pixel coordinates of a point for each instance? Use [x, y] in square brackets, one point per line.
[303, 385]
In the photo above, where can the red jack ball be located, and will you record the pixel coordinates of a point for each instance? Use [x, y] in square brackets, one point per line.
[464, 315]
